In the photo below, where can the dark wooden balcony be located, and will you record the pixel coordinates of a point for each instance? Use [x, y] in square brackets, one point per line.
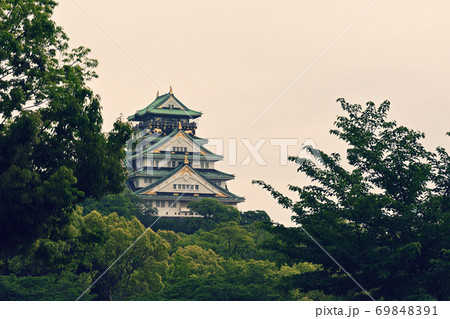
[166, 126]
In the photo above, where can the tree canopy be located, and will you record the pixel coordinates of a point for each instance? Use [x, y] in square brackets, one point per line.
[385, 218]
[53, 153]
[213, 209]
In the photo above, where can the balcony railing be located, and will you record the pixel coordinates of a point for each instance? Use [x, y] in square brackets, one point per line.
[166, 126]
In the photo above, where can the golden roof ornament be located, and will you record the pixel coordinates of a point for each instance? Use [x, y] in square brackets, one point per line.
[157, 94]
[180, 127]
[171, 91]
[186, 161]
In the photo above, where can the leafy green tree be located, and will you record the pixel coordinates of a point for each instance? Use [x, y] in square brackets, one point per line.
[193, 261]
[214, 210]
[385, 218]
[233, 240]
[64, 286]
[237, 241]
[227, 239]
[91, 244]
[229, 279]
[127, 205]
[52, 151]
[138, 273]
[170, 236]
[251, 216]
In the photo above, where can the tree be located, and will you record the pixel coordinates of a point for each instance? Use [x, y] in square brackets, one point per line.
[233, 240]
[91, 244]
[206, 276]
[137, 275]
[192, 261]
[385, 218]
[169, 236]
[127, 205]
[53, 153]
[251, 216]
[213, 209]
[67, 286]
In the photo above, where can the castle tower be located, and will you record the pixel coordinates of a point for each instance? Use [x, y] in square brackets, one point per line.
[168, 164]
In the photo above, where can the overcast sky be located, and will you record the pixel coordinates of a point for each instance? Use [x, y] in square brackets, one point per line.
[233, 59]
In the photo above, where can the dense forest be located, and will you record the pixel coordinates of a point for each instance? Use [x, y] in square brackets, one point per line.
[221, 258]
[371, 225]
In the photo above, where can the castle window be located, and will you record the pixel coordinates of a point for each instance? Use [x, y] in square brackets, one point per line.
[179, 149]
[204, 165]
[185, 186]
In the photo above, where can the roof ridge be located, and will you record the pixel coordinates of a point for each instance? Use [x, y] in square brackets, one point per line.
[153, 107]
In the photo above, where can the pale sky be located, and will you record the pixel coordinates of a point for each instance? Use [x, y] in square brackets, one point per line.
[232, 59]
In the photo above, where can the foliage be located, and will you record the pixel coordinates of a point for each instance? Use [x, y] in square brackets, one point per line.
[163, 265]
[52, 151]
[192, 261]
[251, 216]
[227, 239]
[386, 219]
[66, 286]
[92, 243]
[138, 272]
[213, 209]
[176, 224]
[207, 276]
[169, 236]
[126, 205]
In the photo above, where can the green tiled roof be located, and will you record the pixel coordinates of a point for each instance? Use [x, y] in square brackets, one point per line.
[197, 141]
[216, 174]
[186, 197]
[176, 170]
[161, 172]
[191, 158]
[153, 109]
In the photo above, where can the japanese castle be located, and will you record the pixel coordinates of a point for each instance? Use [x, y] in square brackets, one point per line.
[168, 164]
